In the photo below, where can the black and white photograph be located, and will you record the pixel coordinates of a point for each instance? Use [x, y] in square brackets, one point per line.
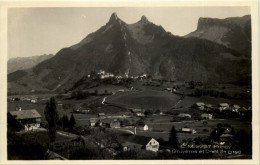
[130, 83]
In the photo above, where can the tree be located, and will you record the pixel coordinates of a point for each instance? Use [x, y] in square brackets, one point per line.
[72, 122]
[173, 139]
[13, 124]
[52, 116]
[65, 122]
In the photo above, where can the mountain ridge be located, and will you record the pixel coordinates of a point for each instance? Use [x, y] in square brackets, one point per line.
[131, 49]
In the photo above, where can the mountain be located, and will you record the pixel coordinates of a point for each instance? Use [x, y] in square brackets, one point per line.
[234, 32]
[21, 63]
[131, 49]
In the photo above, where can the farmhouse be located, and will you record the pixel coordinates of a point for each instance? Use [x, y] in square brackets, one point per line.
[223, 106]
[92, 122]
[235, 108]
[206, 116]
[141, 142]
[142, 127]
[208, 106]
[135, 110]
[243, 111]
[225, 138]
[187, 130]
[199, 105]
[227, 111]
[31, 119]
[115, 124]
[184, 115]
[101, 115]
[33, 100]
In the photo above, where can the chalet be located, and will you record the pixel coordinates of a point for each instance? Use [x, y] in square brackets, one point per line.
[206, 116]
[168, 89]
[223, 106]
[199, 105]
[225, 138]
[243, 111]
[59, 103]
[184, 115]
[141, 142]
[208, 106]
[187, 130]
[142, 127]
[92, 122]
[115, 124]
[235, 108]
[31, 119]
[139, 114]
[101, 115]
[227, 111]
[33, 100]
[135, 110]
[99, 123]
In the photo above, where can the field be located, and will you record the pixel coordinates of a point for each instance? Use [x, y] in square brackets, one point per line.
[145, 99]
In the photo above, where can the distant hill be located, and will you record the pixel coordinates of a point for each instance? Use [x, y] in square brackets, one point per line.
[234, 32]
[21, 63]
[131, 49]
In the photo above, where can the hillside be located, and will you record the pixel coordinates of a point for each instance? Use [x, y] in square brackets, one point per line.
[234, 33]
[131, 49]
[21, 63]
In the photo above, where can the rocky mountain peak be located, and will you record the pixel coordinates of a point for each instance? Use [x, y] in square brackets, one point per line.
[113, 18]
[144, 19]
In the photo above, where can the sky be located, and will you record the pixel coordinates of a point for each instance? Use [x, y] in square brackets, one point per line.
[38, 31]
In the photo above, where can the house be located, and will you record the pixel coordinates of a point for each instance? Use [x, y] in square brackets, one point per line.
[115, 124]
[223, 106]
[243, 111]
[187, 130]
[139, 114]
[31, 119]
[225, 138]
[142, 127]
[33, 100]
[227, 111]
[184, 115]
[141, 142]
[168, 89]
[206, 116]
[99, 123]
[101, 115]
[235, 108]
[199, 105]
[135, 110]
[208, 106]
[92, 122]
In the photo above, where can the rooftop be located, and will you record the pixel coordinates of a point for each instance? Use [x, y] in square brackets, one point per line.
[26, 114]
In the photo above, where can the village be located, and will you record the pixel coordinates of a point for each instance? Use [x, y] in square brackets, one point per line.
[126, 116]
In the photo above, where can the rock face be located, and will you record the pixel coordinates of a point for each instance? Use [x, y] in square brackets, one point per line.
[131, 49]
[234, 33]
[21, 63]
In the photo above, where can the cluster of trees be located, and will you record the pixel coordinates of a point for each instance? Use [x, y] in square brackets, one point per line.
[80, 94]
[212, 93]
[52, 117]
[66, 123]
[13, 124]
[219, 94]
[193, 84]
